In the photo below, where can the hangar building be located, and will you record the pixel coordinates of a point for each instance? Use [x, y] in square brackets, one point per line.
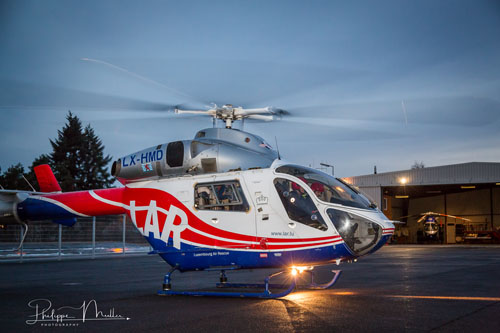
[468, 190]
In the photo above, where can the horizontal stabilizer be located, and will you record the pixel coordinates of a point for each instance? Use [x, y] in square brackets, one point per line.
[46, 179]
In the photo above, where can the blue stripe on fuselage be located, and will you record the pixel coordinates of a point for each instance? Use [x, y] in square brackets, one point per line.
[191, 257]
[33, 209]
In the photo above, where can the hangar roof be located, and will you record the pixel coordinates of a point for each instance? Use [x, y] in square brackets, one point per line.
[465, 173]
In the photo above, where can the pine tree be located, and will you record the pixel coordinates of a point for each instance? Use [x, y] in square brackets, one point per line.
[77, 160]
[78, 157]
[66, 156]
[94, 162]
[12, 179]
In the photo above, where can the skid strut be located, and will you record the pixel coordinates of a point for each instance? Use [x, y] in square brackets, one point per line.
[314, 285]
[166, 280]
[264, 294]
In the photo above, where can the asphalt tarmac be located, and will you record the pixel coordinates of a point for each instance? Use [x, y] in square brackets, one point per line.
[399, 288]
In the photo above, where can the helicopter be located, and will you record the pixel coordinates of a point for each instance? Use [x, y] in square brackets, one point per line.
[224, 200]
[431, 226]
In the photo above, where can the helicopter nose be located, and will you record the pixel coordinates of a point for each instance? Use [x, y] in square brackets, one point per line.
[387, 229]
[361, 234]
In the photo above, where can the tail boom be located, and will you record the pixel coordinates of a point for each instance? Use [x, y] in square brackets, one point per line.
[64, 206]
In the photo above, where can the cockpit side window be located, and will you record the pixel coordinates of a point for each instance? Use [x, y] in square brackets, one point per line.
[327, 188]
[226, 196]
[298, 204]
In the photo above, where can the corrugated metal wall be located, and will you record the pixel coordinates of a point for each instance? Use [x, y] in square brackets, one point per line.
[375, 193]
[467, 173]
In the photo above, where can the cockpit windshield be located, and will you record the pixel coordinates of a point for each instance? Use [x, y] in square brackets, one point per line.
[327, 188]
[429, 226]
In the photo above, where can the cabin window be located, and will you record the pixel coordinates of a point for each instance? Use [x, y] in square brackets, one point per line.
[224, 196]
[298, 204]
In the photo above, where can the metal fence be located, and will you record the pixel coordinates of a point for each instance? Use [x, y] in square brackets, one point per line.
[89, 237]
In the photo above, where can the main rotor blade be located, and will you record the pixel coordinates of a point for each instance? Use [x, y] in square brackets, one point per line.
[116, 115]
[452, 216]
[372, 125]
[143, 78]
[261, 117]
[22, 95]
[422, 218]
[450, 111]
[406, 216]
[210, 113]
[254, 111]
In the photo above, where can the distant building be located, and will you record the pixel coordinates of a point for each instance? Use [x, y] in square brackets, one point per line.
[470, 190]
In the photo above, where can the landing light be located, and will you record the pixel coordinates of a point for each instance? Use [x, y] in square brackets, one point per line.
[299, 269]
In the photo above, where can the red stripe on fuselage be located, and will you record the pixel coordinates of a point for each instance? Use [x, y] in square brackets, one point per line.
[84, 203]
[193, 237]
[198, 224]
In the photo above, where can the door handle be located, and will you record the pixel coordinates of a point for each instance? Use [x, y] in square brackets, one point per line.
[292, 225]
[215, 220]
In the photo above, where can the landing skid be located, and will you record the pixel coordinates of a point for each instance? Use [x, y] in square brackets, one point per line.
[311, 286]
[240, 294]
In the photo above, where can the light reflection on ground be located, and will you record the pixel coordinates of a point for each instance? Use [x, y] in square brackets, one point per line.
[302, 295]
[452, 298]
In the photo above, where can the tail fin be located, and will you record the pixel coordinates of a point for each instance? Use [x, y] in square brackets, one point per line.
[46, 179]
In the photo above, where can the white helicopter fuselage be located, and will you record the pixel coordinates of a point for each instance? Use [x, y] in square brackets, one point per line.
[259, 233]
[224, 199]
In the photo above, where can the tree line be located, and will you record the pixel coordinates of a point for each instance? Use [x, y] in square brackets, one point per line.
[77, 160]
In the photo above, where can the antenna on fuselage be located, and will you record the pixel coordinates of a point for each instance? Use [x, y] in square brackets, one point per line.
[277, 148]
[27, 181]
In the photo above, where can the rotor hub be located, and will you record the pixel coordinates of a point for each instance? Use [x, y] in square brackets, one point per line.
[228, 113]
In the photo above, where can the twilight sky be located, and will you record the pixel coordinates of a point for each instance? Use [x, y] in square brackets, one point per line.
[347, 71]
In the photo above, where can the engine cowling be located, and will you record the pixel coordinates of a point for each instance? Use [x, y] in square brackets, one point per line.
[213, 150]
